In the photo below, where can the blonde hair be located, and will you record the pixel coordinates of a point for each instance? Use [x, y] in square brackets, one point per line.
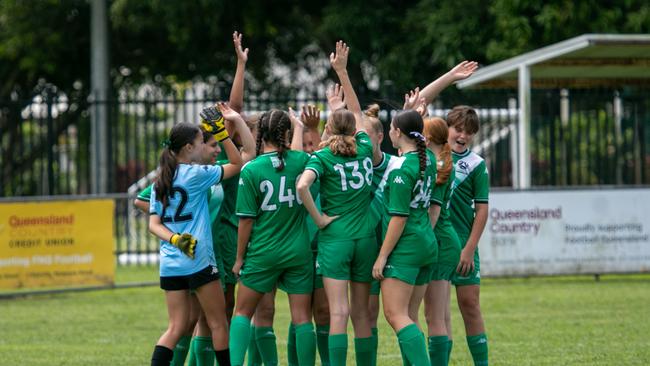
[436, 131]
[342, 126]
[371, 116]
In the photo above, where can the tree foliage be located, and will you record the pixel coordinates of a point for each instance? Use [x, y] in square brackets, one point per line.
[405, 42]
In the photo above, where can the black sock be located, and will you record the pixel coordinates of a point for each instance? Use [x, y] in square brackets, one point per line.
[223, 357]
[162, 356]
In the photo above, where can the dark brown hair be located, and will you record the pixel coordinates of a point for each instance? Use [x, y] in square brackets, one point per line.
[411, 125]
[181, 134]
[272, 127]
[463, 117]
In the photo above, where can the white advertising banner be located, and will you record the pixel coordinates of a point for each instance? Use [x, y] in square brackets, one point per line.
[567, 232]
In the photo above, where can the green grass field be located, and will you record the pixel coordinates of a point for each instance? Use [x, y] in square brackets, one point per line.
[539, 321]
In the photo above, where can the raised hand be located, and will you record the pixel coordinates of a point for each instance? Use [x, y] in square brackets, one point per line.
[212, 121]
[227, 112]
[310, 116]
[335, 97]
[422, 108]
[295, 122]
[411, 99]
[242, 54]
[463, 70]
[339, 59]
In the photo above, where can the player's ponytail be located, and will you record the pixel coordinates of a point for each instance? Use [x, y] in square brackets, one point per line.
[411, 125]
[180, 135]
[273, 128]
[437, 132]
[341, 127]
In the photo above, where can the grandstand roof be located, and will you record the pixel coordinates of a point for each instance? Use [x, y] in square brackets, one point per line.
[590, 60]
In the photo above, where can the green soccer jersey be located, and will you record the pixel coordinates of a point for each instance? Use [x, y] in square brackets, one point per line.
[279, 237]
[345, 189]
[228, 207]
[408, 193]
[471, 185]
[145, 194]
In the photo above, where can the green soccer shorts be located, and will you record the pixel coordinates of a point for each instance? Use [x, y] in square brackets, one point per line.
[292, 280]
[416, 276]
[350, 259]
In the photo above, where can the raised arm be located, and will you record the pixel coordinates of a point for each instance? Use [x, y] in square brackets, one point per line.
[245, 135]
[298, 129]
[339, 61]
[459, 72]
[237, 92]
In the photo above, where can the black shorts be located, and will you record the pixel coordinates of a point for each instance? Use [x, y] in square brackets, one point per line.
[190, 282]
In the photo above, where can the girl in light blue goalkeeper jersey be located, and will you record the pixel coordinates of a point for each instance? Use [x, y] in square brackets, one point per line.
[180, 218]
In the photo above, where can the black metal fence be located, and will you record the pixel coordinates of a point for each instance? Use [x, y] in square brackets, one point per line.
[583, 137]
[578, 137]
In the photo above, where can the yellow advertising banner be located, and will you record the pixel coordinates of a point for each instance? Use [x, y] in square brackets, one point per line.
[54, 244]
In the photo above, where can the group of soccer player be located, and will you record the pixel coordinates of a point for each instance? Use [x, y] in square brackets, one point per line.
[268, 201]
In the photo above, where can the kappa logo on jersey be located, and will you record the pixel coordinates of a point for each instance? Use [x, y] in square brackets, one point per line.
[205, 167]
[214, 270]
[241, 182]
[398, 179]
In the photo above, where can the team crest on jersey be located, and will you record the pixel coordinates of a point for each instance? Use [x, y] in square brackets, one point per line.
[275, 161]
[463, 165]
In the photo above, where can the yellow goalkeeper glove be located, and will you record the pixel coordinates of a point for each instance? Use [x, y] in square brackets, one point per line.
[213, 122]
[185, 242]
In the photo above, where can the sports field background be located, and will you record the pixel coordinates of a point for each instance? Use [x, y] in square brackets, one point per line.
[536, 321]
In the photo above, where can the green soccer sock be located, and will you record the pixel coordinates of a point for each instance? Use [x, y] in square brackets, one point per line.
[438, 350]
[265, 338]
[363, 351]
[478, 347]
[450, 345]
[306, 343]
[292, 355]
[322, 340]
[203, 351]
[191, 357]
[180, 351]
[375, 344]
[413, 346]
[254, 357]
[338, 347]
[240, 335]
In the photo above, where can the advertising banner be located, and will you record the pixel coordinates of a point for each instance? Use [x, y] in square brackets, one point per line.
[55, 244]
[567, 232]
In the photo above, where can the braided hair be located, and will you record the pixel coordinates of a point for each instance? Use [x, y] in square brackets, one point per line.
[272, 128]
[411, 124]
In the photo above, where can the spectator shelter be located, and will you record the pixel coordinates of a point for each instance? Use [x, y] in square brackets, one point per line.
[590, 61]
